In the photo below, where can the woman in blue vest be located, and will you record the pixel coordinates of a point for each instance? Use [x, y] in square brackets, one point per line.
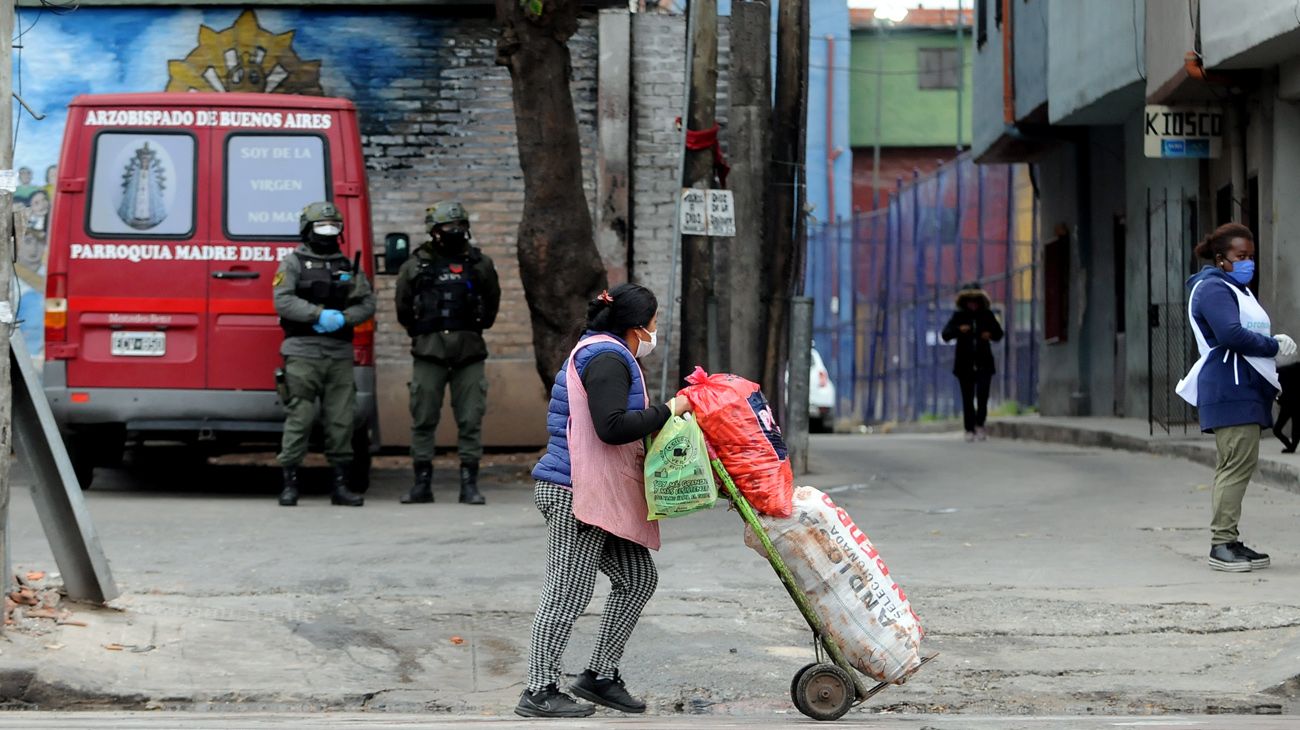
[591, 490]
[1234, 383]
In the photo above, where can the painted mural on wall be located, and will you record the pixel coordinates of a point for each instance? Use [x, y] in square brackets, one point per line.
[245, 57]
[126, 50]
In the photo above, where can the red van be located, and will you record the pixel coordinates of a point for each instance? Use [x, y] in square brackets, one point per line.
[171, 214]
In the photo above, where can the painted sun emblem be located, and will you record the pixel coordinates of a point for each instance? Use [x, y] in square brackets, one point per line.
[245, 57]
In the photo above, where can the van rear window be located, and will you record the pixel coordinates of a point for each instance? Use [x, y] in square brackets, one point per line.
[269, 180]
[142, 185]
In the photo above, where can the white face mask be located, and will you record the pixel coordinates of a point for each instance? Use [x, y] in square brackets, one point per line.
[644, 348]
[327, 229]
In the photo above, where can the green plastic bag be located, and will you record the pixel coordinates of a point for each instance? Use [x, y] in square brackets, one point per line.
[678, 475]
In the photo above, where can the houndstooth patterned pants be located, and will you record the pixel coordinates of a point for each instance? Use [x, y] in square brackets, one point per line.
[574, 552]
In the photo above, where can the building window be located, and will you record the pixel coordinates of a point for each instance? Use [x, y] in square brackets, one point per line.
[938, 68]
[981, 23]
[143, 184]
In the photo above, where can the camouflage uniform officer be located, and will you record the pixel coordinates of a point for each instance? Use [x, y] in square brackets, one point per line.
[320, 296]
[447, 294]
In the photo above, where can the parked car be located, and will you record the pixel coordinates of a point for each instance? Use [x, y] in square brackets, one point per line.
[821, 397]
[171, 214]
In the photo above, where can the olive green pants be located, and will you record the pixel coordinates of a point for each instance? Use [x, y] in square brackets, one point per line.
[330, 381]
[468, 384]
[1238, 459]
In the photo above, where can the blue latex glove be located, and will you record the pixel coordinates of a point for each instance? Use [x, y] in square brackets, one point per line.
[329, 321]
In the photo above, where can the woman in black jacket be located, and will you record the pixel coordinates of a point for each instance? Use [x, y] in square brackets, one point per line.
[975, 328]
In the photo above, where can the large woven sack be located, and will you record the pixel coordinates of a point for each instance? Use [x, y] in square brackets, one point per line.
[850, 587]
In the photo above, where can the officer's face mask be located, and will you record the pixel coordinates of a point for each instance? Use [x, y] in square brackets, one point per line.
[452, 239]
[324, 236]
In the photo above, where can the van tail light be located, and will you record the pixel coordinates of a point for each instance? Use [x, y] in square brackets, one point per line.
[363, 343]
[823, 379]
[56, 308]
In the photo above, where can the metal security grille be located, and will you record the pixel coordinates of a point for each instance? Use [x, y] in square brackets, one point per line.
[1171, 235]
[884, 284]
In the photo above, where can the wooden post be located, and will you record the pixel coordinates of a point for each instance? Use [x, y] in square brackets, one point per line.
[697, 274]
[789, 117]
[6, 276]
[750, 127]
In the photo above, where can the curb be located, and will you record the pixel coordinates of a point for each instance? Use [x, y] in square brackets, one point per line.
[1280, 474]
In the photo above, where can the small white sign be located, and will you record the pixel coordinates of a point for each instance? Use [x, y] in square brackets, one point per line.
[708, 212]
[695, 212]
[722, 213]
[1183, 131]
[9, 180]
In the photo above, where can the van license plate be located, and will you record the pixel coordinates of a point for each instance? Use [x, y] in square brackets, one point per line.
[139, 344]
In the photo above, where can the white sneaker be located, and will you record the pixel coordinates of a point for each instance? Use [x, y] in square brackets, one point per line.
[981, 434]
[970, 436]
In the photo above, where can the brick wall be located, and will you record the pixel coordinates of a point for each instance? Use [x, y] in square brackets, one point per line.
[450, 132]
[659, 45]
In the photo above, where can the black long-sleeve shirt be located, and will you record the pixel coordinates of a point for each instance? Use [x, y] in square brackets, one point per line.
[609, 382]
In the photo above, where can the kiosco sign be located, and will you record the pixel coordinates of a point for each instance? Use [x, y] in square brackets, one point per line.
[1183, 131]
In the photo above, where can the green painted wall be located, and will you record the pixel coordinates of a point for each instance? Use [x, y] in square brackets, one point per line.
[912, 116]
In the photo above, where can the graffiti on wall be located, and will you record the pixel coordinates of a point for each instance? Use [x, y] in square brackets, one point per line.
[132, 49]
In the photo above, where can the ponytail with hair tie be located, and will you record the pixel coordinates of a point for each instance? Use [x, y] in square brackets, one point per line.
[629, 306]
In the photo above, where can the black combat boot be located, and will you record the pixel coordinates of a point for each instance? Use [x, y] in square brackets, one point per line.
[289, 495]
[469, 493]
[422, 492]
[342, 495]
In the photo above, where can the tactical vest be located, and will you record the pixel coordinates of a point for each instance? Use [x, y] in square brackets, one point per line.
[446, 298]
[324, 282]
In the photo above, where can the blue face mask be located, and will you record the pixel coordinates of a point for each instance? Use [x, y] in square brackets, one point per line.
[1242, 271]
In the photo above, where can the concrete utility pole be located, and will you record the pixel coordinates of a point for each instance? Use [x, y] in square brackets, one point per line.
[697, 269]
[740, 301]
[6, 276]
[789, 119]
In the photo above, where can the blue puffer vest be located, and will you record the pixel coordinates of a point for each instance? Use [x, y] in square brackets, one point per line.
[555, 464]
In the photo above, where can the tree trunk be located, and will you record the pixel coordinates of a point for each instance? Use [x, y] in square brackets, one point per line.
[559, 263]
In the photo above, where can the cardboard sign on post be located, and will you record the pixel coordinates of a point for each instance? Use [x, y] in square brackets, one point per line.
[695, 212]
[708, 212]
[722, 213]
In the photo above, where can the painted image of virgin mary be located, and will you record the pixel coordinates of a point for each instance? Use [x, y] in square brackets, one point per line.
[143, 183]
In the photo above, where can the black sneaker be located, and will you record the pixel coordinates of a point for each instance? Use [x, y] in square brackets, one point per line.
[1257, 560]
[550, 702]
[1224, 557]
[607, 692]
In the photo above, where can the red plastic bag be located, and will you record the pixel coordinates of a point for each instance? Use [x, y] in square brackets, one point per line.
[739, 424]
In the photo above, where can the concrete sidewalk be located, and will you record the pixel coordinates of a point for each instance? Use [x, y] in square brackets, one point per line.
[1130, 434]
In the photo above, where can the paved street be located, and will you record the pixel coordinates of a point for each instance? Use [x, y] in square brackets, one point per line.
[394, 721]
[1052, 580]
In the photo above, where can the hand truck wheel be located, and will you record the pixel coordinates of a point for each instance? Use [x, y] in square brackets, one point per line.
[824, 692]
[794, 683]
